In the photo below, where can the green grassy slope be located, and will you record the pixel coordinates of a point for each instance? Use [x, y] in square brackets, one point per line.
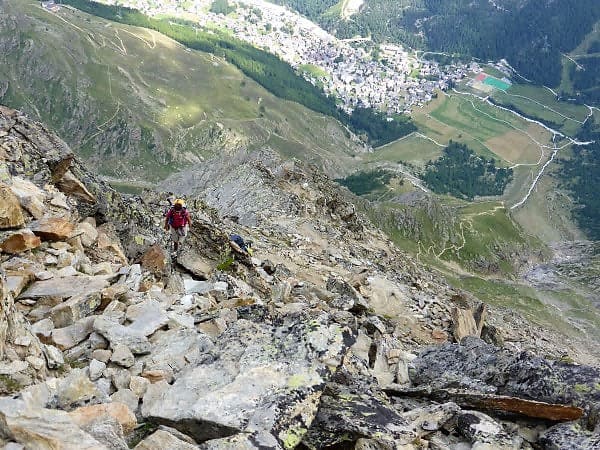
[138, 105]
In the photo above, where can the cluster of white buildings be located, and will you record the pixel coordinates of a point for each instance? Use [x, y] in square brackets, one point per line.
[394, 81]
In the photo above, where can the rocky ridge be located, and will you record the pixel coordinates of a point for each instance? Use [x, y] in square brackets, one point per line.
[327, 338]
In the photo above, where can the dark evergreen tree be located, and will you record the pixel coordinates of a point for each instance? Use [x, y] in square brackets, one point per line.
[463, 174]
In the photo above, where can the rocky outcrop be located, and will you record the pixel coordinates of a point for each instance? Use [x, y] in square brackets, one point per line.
[481, 367]
[265, 377]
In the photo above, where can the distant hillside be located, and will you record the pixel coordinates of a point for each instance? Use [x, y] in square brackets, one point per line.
[268, 70]
[138, 105]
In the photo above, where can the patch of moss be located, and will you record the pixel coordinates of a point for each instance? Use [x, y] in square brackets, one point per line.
[140, 433]
[582, 388]
[296, 381]
[8, 385]
[226, 262]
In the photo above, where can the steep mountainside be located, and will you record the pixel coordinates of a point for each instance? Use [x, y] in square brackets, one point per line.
[327, 337]
[127, 97]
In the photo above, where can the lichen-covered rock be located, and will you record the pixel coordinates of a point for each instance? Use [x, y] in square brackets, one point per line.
[347, 414]
[348, 297]
[76, 308]
[485, 432]
[263, 378]
[570, 436]
[481, 367]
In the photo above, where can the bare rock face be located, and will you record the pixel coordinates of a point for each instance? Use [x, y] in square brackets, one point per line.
[11, 214]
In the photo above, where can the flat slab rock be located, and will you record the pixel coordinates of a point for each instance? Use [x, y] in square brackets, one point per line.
[66, 286]
[263, 378]
[41, 428]
[147, 317]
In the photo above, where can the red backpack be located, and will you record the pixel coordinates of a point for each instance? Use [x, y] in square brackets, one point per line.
[178, 219]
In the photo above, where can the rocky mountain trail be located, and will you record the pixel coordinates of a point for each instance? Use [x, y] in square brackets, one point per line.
[321, 339]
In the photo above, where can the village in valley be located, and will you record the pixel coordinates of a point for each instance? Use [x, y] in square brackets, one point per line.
[357, 72]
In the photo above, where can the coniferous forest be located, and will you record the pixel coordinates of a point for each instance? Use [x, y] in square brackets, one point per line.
[580, 174]
[463, 174]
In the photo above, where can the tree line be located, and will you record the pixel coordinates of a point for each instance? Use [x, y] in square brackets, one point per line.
[532, 38]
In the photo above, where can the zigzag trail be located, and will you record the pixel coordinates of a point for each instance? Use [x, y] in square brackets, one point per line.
[555, 134]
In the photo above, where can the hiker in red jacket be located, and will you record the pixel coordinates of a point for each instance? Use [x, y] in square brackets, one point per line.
[178, 221]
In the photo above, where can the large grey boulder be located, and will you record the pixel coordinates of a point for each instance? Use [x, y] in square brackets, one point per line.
[116, 334]
[570, 436]
[264, 377]
[347, 413]
[481, 367]
[175, 350]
